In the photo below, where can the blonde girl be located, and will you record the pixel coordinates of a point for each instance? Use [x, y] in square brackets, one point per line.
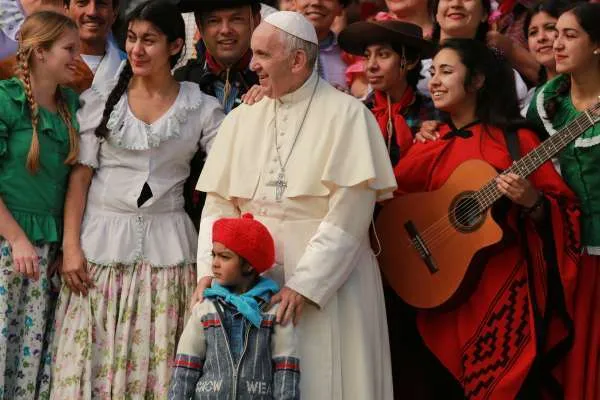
[38, 144]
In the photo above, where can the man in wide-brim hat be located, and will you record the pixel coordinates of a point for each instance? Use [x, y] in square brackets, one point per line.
[221, 68]
[392, 51]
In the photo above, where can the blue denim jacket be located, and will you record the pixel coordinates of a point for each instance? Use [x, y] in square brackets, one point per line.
[235, 326]
[206, 367]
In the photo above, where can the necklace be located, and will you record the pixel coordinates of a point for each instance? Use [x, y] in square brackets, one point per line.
[390, 125]
[280, 183]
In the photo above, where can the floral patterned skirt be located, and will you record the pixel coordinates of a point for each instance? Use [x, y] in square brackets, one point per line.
[26, 314]
[118, 341]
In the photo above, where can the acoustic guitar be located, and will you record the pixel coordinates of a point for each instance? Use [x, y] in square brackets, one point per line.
[432, 242]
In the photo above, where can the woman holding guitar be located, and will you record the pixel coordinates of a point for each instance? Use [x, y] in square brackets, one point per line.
[577, 54]
[496, 341]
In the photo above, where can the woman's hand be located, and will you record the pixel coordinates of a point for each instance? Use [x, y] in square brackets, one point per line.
[428, 132]
[198, 296]
[253, 95]
[74, 270]
[25, 258]
[517, 189]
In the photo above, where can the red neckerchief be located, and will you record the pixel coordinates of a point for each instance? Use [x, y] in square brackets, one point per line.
[402, 132]
[217, 68]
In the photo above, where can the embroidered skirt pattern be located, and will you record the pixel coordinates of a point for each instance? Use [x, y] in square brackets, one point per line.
[26, 315]
[119, 341]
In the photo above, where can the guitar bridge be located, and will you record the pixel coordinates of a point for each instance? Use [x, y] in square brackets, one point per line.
[421, 246]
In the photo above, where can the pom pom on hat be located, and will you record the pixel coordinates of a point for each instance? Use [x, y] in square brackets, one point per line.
[248, 238]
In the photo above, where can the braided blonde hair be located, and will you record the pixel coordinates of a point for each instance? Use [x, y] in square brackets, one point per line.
[42, 29]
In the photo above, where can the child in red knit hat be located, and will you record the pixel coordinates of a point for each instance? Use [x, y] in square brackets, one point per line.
[232, 344]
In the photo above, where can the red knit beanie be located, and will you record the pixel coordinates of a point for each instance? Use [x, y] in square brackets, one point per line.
[248, 238]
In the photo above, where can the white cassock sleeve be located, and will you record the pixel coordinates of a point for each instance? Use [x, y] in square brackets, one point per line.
[215, 207]
[330, 255]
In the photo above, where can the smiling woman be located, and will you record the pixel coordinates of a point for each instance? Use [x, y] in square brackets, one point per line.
[500, 314]
[130, 248]
[557, 103]
[38, 145]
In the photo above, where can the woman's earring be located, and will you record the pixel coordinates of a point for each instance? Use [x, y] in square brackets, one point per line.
[596, 52]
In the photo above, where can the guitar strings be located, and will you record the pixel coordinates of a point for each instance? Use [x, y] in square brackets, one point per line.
[477, 209]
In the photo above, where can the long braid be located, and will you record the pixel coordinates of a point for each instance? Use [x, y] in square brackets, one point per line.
[65, 115]
[33, 157]
[113, 98]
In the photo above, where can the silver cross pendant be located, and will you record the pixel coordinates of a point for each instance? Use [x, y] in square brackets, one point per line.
[280, 185]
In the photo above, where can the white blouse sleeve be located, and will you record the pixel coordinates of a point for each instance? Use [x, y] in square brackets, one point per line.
[89, 117]
[212, 121]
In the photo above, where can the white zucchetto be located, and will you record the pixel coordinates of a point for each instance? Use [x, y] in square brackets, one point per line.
[293, 23]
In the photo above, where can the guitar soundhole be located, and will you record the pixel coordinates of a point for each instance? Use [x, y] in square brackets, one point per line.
[466, 214]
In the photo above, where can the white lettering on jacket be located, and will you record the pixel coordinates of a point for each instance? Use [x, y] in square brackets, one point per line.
[258, 387]
[210, 386]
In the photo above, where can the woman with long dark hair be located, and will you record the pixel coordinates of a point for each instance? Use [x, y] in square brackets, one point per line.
[493, 342]
[129, 247]
[562, 99]
[540, 31]
[393, 52]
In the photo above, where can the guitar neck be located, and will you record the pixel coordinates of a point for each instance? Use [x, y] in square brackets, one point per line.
[489, 193]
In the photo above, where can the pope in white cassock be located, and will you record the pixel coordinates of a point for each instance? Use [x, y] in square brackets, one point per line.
[309, 162]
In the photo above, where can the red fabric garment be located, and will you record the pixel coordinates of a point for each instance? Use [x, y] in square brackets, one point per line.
[217, 68]
[488, 342]
[402, 133]
[581, 370]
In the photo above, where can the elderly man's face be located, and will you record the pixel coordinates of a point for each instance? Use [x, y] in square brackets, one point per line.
[271, 60]
[227, 32]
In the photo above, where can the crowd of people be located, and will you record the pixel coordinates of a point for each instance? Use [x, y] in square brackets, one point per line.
[205, 229]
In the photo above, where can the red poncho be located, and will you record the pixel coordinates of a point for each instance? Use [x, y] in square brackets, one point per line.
[489, 342]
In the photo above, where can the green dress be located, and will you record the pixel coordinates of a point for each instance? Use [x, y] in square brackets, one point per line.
[36, 202]
[579, 162]
[580, 167]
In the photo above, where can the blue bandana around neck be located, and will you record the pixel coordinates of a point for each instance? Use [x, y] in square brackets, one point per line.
[245, 303]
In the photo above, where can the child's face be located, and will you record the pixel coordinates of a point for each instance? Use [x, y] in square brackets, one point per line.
[227, 266]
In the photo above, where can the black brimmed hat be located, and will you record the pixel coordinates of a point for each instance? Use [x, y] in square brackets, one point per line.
[212, 5]
[357, 36]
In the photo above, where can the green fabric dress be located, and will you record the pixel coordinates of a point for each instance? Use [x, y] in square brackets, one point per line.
[36, 202]
[579, 161]
[580, 167]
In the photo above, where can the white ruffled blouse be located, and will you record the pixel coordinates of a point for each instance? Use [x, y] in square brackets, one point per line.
[115, 229]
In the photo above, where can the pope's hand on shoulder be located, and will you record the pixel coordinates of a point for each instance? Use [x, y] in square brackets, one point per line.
[290, 307]
[253, 95]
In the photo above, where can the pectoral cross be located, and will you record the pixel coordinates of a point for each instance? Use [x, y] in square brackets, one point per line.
[280, 185]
